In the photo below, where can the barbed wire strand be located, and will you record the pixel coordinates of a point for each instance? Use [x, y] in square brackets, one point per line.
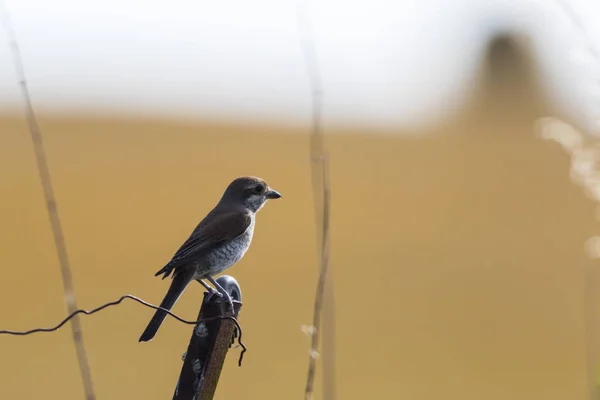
[44, 173]
[322, 190]
[140, 301]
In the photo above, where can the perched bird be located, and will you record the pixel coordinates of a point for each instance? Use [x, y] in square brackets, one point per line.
[220, 240]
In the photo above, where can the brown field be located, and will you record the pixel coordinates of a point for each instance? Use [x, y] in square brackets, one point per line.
[458, 258]
[458, 261]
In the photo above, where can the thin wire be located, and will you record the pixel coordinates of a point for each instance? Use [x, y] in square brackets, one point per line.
[59, 241]
[137, 299]
[321, 186]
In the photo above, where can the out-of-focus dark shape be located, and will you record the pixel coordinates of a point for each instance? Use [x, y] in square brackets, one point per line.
[508, 66]
[508, 89]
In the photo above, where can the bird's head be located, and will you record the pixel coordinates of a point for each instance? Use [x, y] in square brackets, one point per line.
[250, 192]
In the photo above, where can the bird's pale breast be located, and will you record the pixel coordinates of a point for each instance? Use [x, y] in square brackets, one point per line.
[224, 257]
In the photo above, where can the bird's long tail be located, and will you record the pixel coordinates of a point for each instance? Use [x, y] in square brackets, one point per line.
[178, 285]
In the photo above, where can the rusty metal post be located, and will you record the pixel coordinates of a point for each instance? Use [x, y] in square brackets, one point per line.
[209, 344]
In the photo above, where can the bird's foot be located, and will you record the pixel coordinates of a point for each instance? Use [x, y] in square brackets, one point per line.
[214, 293]
[209, 289]
[231, 305]
[225, 297]
[221, 292]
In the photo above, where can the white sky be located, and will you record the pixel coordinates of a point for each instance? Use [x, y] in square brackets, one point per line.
[382, 62]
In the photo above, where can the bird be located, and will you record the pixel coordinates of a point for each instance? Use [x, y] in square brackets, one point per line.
[219, 241]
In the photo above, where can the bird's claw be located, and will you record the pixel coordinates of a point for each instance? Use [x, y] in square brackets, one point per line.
[226, 298]
[218, 295]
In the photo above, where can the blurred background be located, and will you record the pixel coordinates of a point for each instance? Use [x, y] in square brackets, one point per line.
[463, 151]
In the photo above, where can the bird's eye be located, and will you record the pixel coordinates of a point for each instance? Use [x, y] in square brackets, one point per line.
[258, 189]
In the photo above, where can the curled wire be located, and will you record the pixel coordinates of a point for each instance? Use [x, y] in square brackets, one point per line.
[145, 303]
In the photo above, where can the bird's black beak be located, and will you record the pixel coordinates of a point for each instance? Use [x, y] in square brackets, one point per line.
[272, 194]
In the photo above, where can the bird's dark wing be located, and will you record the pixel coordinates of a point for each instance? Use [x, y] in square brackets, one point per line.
[217, 229]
